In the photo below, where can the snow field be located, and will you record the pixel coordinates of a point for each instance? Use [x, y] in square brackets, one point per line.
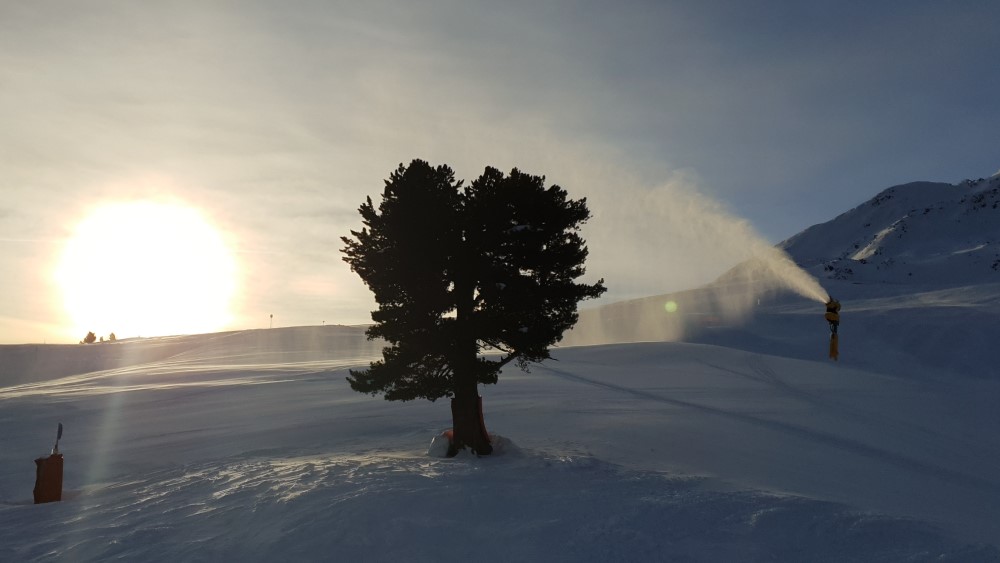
[654, 451]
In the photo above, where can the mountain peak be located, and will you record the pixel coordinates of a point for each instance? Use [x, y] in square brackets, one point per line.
[920, 232]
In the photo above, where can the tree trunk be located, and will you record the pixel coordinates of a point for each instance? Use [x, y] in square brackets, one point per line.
[467, 406]
[467, 424]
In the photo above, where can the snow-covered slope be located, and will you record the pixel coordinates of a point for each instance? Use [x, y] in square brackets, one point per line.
[921, 233]
[251, 447]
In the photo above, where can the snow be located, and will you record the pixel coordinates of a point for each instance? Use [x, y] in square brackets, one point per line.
[930, 233]
[621, 452]
[720, 437]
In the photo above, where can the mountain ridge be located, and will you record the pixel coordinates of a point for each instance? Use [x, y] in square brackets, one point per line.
[940, 234]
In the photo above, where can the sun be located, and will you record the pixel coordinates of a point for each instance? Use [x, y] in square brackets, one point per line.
[146, 268]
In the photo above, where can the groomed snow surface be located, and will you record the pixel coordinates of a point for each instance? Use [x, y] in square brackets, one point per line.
[250, 446]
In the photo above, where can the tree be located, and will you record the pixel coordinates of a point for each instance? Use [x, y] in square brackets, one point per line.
[460, 271]
[90, 338]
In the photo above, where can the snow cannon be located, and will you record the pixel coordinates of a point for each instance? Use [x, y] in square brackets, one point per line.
[49, 474]
[832, 316]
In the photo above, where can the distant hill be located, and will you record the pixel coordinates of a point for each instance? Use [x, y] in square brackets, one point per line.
[925, 233]
[28, 363]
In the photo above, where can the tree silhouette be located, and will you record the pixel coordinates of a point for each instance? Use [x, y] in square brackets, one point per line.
[90, 338]
[459, 271]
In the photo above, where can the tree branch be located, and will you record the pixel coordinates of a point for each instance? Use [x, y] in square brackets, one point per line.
[508, 359]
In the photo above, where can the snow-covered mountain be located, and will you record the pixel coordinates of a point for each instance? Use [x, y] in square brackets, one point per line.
[922, 233]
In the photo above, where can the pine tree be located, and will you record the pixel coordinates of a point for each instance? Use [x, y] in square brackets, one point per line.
[461, 271]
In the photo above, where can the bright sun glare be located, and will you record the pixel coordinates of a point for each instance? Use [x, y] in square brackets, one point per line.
[145, 268]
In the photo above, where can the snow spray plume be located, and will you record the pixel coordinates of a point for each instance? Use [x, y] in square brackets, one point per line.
[649, 242]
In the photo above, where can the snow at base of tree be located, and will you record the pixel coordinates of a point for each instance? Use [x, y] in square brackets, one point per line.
[440, 444]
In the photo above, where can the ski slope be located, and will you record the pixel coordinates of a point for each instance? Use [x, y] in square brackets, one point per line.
[250, 446]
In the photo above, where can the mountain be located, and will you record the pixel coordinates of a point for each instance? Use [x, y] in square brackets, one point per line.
[922, 233]
[905, 265]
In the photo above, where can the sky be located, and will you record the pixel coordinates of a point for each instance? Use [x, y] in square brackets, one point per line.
[275, 120]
